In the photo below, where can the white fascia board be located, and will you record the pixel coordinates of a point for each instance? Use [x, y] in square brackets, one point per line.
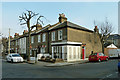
[68, 42]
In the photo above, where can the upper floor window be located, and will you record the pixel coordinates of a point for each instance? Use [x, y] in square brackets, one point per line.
[39, 38]
[16, 43]
[53, 36]
[32, 39]
[60, 35]
[43, 37]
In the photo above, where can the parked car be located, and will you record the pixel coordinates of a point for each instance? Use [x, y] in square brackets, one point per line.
[98, 57]
[119, 66]
[14, 57]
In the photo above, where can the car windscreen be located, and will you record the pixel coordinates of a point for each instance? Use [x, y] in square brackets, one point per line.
[16, 55]
[94, 54]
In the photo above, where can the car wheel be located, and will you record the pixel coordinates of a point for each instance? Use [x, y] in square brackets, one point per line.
[11, 60]
[99, 60]
[106, 59]
[6, 59]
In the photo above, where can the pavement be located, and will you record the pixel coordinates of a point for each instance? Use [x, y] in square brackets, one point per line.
[59, 64]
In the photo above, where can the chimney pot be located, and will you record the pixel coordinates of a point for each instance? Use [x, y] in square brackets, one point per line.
[96, 29]
[62, 18]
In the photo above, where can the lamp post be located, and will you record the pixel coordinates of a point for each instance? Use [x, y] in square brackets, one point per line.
[9, 43]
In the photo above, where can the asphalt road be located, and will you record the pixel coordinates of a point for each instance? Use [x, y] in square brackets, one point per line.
[102, 70]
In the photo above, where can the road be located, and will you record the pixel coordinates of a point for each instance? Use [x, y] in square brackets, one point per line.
[102, 70]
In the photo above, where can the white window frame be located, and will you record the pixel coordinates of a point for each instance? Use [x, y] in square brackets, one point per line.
[16, 50]
[32, 39]
[39, 38]
[60, 33]
[43, 37]
[53, 35]
[16, 42]
[43, 50]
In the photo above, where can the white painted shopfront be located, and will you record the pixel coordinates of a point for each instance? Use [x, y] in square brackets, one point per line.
[69, 51]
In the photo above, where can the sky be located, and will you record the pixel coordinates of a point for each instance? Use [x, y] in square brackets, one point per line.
[81, 13]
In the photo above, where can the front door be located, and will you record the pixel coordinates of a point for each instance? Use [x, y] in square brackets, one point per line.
[83, 53]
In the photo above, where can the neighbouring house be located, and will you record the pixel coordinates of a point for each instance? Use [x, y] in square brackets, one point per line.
[1, 47]
[23, 44]
[40, 41]
[17, 44]
[64, 40]
[113, 39]
[111, 51]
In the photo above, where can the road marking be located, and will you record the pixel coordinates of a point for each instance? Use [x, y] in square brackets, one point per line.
[107, 76]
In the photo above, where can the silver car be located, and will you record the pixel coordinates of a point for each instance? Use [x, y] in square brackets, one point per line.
[14, 57]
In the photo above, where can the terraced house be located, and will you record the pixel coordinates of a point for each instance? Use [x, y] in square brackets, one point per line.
[64, 40]
[18, 44]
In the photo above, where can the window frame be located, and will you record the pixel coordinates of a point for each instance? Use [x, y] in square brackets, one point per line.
[60, 34]
[32, 39]
[44, 37]
[53, 35]
[39, 38]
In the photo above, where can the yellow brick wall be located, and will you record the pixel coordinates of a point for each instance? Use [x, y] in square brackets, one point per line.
[91, 39]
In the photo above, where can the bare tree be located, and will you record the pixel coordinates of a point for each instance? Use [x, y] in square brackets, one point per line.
[105, 29]
[25, 19]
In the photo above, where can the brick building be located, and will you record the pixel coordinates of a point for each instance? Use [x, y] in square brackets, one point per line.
[64, 40]
[114, 39]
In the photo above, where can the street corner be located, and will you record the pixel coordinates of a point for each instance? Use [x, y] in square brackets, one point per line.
[59, 64]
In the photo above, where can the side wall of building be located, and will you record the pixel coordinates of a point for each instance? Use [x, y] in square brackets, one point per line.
[91, 39]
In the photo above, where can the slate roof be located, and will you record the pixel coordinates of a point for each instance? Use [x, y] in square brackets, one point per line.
[114, 36]
[69, 24]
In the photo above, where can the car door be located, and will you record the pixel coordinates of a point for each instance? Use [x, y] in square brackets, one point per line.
[104, 57]
[9, 57]
[100, 56]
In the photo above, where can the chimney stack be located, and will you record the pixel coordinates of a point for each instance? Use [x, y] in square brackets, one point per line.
[38, 26]
[62, 18]
[25, 31]
[11, 37]
[96, 29]
[16, 35]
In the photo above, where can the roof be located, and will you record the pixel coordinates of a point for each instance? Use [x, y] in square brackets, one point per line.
[69, 24]
[111, 46]
[114, 36]
[44, 29]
